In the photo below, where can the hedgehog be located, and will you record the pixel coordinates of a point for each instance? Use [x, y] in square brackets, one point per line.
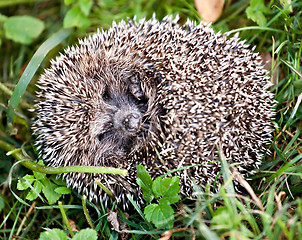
[155, 93]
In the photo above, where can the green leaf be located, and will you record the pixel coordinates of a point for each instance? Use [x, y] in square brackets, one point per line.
[221, 217]
[3, 17]
[168, 188]
[149, 210]
[50, 194]
[75, 18]
[256, 11]
[171, 199]
[32, 68]
[145, 182]
[58, 181]
[40, 162]
[68, 2]
[39, 175]
[85, 6]
[23, 29]
[53, 234]
[162, 214]
[32, 195]
[86, 234]
[144, 176]
[147, 192]
[62, 190]
[22, 185]
[256, 16]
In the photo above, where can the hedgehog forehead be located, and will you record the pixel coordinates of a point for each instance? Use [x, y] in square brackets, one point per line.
[105, 110]
[115, 72]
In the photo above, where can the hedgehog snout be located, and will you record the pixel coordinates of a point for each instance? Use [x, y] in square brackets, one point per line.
[132, 122]
[129, 122]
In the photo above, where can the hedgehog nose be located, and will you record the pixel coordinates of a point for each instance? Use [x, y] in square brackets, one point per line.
[132, 122]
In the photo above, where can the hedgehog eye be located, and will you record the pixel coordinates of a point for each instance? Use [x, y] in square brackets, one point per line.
[106, 96]
[101, 136]
[229, 118]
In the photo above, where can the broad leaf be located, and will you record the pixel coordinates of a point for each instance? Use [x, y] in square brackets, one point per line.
[32, 195]
[256, 11]
[162, 214]
[62, 190]
[145, 182]
[53, 234]
[167, 188]
[75, 18]
[86, 234]
[49, 192]
[22, 185]
[85, 6]
[23, 29]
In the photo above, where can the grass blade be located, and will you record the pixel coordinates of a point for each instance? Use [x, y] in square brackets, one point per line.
[31, 69]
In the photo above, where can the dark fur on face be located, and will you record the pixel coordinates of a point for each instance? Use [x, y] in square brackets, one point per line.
[118, 120]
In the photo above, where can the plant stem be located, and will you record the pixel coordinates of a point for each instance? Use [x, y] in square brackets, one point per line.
[52, 170]
[65, 219]
[106, 190]
[86, 212]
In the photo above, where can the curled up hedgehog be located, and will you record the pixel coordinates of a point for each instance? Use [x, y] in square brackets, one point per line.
[158, 94]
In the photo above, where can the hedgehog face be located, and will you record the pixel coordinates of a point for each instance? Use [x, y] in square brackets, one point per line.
[117, 121]
[118, 117]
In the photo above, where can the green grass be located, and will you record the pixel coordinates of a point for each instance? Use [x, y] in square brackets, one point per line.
[273, 207]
